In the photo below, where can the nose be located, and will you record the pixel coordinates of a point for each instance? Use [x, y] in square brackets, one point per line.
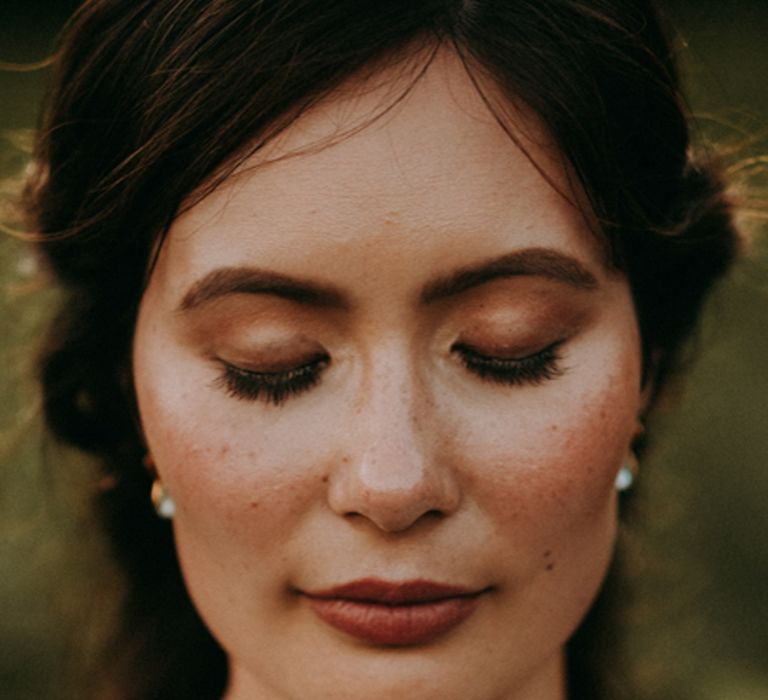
[395, 472]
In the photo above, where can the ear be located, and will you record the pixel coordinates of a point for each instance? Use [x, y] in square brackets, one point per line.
[124, 374]
[649, 385]
[647, 393]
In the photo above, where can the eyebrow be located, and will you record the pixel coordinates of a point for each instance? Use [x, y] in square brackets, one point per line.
[537, 262]
[247, 280]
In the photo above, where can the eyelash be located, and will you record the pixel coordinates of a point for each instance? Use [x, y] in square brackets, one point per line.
[272, 387]
[533, 370]
[277, 387]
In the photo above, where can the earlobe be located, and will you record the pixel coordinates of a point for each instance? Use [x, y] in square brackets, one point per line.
[630, 467]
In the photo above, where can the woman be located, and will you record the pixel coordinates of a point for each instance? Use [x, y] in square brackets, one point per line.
[377, 298]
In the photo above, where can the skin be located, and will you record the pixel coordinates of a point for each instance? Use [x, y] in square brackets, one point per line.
[400, 463]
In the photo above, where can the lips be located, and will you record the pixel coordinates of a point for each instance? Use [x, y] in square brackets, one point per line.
[394, 614]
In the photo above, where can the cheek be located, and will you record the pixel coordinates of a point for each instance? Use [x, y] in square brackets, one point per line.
[219, 472]
[240, 501]
[546, 471]
[547, 491]
[241, 484]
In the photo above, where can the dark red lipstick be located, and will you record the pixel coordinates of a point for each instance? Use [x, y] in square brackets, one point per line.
[394, 614]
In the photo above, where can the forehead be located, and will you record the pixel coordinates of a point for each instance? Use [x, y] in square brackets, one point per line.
[393, 158]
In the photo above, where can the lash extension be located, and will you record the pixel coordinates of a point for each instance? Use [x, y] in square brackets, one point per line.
[532, 370]
[271, 387]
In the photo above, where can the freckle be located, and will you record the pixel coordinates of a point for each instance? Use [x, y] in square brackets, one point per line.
[325, 479]
[548, 553]
[254, 504]
[550, 566]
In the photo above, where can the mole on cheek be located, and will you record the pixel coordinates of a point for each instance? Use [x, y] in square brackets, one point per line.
[550, 564]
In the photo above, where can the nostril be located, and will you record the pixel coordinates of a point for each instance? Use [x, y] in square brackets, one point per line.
[434, 513]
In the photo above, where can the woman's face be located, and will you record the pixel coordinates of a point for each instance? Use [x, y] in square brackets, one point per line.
[389, 384]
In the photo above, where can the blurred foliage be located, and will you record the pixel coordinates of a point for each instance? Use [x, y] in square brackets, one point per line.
[699, 627]
[707, 529]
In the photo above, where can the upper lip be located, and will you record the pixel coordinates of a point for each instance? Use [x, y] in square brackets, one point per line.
[374, 590]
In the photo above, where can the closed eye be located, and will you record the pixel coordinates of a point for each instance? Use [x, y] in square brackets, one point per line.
[271, 387]
[531, 369]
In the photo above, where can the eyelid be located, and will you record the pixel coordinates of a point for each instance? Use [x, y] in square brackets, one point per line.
[532, 369]
[501, 355]
[273, 387]
[264, 369]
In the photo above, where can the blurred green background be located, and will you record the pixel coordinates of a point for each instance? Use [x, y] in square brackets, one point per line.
[699, 627]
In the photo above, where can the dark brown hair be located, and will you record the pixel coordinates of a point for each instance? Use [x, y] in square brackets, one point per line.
[154, 102]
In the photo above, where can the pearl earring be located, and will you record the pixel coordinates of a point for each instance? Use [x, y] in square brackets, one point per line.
[624, 479]
[626, 476]
[162, 501]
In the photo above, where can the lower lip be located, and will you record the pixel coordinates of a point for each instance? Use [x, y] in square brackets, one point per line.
[394, 625]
